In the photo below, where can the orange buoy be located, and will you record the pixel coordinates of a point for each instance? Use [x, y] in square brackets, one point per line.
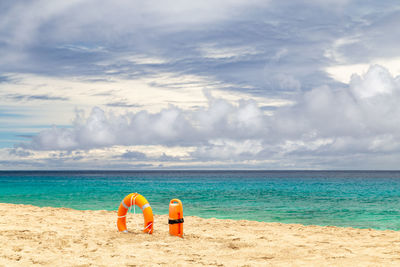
[175, 220]
[129, 201]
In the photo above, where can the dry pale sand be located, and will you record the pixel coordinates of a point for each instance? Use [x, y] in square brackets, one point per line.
[31, 235]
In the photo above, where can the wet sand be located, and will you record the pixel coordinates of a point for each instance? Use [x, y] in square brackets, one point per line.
[32, 236]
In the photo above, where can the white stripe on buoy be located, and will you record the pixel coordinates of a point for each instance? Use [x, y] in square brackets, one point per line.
[123, 204]
[145, 206]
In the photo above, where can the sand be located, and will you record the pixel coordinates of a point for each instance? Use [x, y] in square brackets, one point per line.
[32, 236]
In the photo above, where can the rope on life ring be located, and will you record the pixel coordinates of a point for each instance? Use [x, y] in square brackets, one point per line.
[135, 199]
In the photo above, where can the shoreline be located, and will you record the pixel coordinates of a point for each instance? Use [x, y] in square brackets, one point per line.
[31, 235]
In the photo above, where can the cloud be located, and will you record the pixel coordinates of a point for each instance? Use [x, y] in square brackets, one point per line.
[256, 47]
[331, 123]
[147, 55]
[123, 104]
[240, 44]
[360, 118]
[4, 79]
[377, 81]
[20, 152]
[283, 81]
[19, 97]
[228, 150]
[134, 155]
[170, 126]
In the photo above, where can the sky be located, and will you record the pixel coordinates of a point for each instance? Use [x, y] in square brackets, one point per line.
[302, 84]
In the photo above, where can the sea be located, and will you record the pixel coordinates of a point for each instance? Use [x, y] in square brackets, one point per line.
[360, 199]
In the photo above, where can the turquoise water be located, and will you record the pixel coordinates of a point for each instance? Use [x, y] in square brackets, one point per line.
[363, 199]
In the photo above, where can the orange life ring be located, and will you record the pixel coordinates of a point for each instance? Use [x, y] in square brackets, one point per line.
[175, 219]
[143, 204]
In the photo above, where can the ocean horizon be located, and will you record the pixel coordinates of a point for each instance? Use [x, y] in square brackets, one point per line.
[355, 198]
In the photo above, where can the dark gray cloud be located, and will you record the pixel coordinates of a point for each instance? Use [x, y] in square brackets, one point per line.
[44, 97]
[261, 47]
[20, 152]
[139, 156]
[122, 104]
[4, 79]
[134, 155]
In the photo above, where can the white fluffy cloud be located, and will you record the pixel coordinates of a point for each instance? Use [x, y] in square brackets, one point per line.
[377, 81]
[361, 119]
[171, 126]
[357, 118]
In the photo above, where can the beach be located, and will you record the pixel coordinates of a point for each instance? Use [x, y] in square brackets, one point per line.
[31, 235]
